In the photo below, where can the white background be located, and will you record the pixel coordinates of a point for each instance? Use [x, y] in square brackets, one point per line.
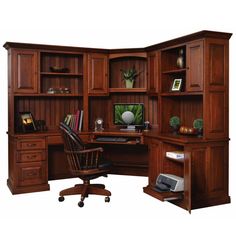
[109, 24]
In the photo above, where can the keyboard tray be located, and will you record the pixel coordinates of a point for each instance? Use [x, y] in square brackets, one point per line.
[111, 139]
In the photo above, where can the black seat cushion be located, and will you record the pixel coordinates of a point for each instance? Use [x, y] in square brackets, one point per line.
[104, 164]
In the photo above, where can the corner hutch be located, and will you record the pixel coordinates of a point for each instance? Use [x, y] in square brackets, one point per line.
[94, 79]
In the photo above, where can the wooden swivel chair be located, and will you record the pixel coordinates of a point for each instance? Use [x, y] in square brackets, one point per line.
[87, 164]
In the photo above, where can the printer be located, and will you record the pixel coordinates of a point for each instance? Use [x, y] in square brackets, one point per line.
[168, 182]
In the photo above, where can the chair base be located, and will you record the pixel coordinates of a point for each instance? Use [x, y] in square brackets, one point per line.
[85, 189]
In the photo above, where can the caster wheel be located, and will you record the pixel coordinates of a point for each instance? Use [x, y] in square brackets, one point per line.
[107, 199]
[81, 204]
[61, 199]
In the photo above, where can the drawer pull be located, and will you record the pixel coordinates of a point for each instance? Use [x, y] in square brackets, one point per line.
[32, 173]
[31, 157]
[31, 144]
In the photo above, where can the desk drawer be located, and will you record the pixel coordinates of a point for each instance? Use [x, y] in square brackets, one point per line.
[31, 173]
[28, 144]
[30, 156]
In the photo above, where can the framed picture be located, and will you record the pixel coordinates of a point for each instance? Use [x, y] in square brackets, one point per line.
[176, 85]
[27, 122]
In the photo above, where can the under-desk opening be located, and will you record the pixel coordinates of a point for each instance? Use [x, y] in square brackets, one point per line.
[58, 167]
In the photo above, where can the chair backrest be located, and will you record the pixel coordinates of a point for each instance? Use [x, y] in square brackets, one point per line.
[79, 163]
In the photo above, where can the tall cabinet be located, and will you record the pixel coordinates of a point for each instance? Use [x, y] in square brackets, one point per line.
[204, 95]
[93, 81]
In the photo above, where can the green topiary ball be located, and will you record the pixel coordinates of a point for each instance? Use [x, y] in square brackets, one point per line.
[174, 121]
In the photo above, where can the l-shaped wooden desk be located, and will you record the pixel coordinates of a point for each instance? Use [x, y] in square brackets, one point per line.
[93, 78]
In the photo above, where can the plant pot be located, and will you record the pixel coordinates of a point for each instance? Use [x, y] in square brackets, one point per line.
[175, 129]
[129, 83]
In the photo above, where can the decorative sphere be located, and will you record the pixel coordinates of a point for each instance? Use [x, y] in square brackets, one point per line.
[127, 117]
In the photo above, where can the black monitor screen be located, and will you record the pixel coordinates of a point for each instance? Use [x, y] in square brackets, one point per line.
[128, 114]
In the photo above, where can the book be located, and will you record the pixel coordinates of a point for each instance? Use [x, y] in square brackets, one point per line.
[77, 116]
[175, 154]
[81, 120]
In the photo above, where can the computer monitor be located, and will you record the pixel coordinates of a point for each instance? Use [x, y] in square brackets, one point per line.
[130, 115]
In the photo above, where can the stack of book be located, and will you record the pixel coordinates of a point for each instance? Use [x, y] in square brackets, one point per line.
[175, 155]
[74, 121]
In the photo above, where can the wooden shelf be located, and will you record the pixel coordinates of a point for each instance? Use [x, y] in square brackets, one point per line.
[61, 74]
[171, 94]
[176, 160]
[174, 71]
[126, 90]
[164, 196]
[49, 95]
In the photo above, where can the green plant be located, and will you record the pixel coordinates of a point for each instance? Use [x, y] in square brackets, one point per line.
[129, 74]
[198, 124]
[174, 121]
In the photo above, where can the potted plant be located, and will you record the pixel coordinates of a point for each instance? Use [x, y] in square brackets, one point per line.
[129, 76]
[198, 125]
[175, 123]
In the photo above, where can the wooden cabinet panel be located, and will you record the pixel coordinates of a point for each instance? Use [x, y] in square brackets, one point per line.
[194, 57]
[154, 160]
[217, 119]
[25, 76]
[218, 63]
[31, 173]
[199, 173]
[218, 170]
[97, 74]
[153, 69]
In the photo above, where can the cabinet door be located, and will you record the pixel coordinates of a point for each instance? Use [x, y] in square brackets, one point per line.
[194, 57]
[97, 74]
[188, 179]
[154, 161]
[153, 73]
[25, 71]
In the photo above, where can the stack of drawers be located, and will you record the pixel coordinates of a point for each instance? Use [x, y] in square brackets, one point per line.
[30, 165]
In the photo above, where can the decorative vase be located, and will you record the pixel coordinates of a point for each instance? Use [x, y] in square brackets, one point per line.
[180, 59]
[129, 83]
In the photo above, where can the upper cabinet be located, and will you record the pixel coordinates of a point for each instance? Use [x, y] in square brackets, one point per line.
[153, 69]
[25, 76]
[97, 74]
[194, 65]
[182, 68]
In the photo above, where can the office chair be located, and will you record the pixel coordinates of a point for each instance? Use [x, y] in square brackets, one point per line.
[85, 163]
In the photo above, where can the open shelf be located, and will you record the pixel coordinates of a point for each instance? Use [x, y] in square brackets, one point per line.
[49, 95]
[61, 74]
[164, 196]
[127, 90]
[170, 94]
[124, 63]
[70, 76]
[174, 71]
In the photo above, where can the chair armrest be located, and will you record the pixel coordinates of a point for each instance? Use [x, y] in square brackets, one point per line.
[99, 149]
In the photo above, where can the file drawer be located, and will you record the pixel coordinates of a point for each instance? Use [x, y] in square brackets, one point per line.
[31, 173]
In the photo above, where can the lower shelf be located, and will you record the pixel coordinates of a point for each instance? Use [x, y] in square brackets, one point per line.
[164, 196]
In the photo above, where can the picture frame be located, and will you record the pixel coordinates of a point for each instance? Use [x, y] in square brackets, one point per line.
[177, 85]
[27, 122]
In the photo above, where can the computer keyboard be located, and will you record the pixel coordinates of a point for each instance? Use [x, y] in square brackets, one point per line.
[111, 139]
